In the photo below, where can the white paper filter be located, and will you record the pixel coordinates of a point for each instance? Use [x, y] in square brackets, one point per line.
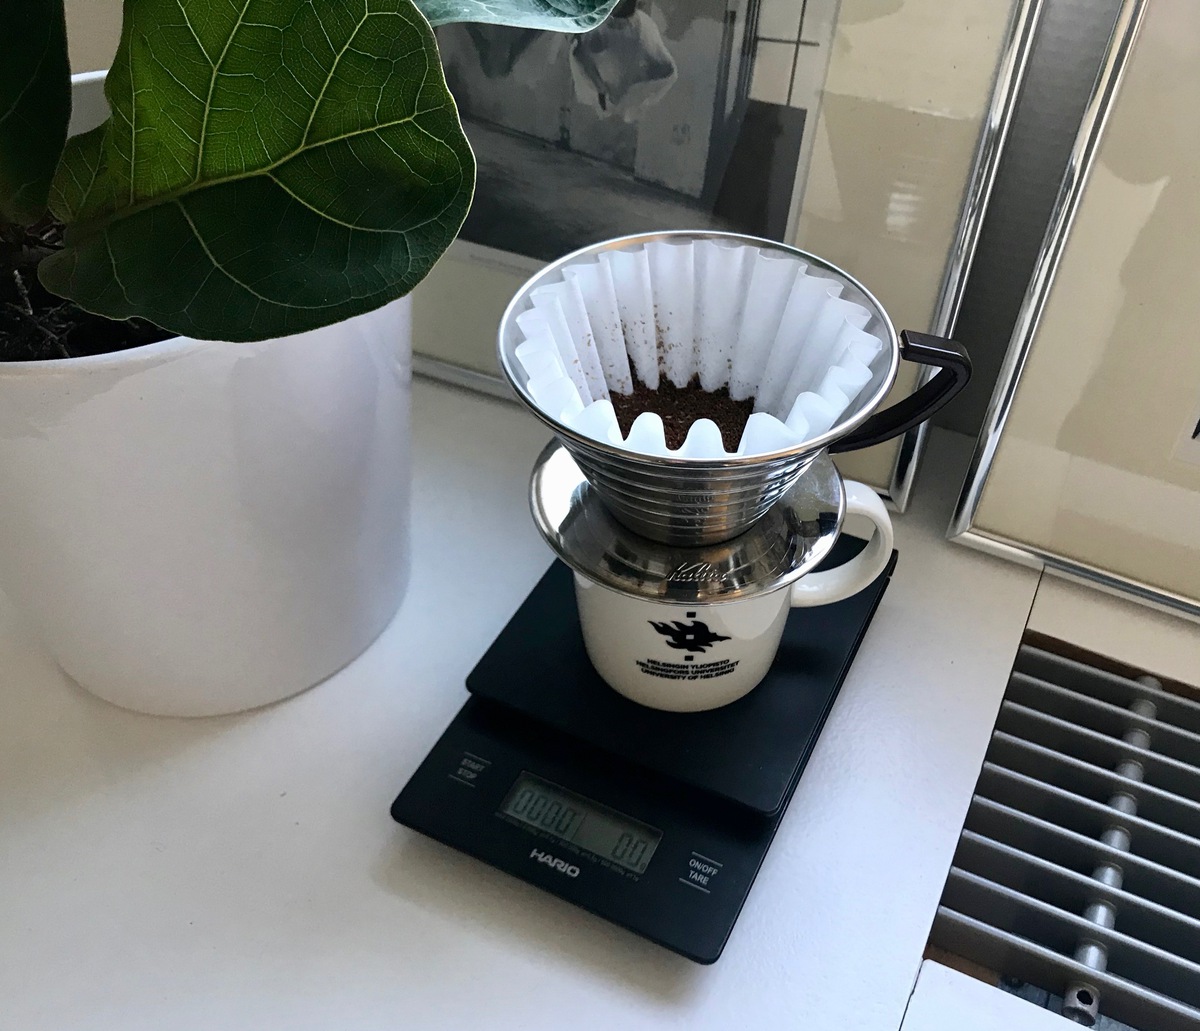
[758, 322]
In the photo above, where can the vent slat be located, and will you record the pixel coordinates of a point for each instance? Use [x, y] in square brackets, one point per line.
[1097, 749]
[1057, 929]
[1094, 782]
[1031, 875]
[1025, 960]
[1102, 717]
[1109, 687]
[1161, 844]
[1078, 867]
[1081, 853]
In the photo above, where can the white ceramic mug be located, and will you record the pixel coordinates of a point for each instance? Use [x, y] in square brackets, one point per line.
[686, 658]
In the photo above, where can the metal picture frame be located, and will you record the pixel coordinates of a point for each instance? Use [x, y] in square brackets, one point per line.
[1010, 74]
[966, 527]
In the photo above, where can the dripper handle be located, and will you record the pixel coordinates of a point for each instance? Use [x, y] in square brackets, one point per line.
[954, 369]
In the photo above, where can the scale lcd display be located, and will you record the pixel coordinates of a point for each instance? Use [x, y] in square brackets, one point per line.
[588, 825]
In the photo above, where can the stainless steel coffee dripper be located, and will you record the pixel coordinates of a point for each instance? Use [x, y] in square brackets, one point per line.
[697, 502]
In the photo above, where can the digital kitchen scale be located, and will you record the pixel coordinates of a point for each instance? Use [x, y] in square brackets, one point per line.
[656, 821]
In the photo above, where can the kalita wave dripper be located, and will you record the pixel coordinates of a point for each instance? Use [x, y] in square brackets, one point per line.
[807, 340]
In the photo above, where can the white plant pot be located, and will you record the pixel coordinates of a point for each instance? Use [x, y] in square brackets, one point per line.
[197, 528]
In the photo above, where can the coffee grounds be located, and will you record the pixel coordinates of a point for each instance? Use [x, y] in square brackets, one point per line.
[679, 407]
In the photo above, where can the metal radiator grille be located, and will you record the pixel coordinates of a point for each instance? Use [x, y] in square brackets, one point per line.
[1078, 869]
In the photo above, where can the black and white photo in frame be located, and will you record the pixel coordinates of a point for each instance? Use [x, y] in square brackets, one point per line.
[673, 114]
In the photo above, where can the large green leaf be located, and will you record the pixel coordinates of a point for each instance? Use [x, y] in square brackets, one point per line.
[563, 15]
[35, 104]
[271, 166]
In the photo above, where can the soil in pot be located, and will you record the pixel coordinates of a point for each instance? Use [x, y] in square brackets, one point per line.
[679, 407]
[36, 325]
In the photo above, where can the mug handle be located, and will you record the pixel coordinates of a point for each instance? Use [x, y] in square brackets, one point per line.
[830, 585]
[949, 357]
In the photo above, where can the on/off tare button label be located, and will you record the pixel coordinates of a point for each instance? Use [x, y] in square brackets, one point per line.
[470, 768]
[702, 873]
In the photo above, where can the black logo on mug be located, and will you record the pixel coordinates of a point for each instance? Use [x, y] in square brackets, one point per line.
[690, 637]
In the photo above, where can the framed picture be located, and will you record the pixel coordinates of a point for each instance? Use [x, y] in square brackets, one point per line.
[674, 114]
[1089, 460]
[651, 119]
[866, 131]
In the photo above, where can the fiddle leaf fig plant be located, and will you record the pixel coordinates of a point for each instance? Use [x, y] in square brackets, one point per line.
[269, 167]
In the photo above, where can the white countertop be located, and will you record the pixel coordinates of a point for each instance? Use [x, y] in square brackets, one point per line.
[243, 872]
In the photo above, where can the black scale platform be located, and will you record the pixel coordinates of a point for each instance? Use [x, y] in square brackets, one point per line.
[713, 785]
